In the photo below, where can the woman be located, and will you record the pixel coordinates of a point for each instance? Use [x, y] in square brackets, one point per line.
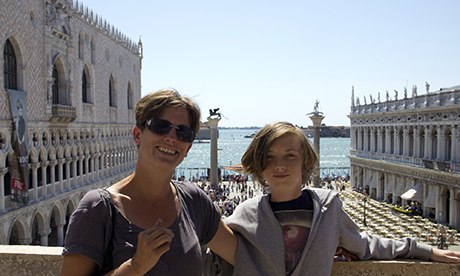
[145, 223]
[294, 231]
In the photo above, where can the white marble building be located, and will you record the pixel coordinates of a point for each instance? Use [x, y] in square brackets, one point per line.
[81, 78]
[411, 142]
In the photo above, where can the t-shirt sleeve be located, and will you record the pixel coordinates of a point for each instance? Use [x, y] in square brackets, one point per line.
[89, 227]
[205, 214]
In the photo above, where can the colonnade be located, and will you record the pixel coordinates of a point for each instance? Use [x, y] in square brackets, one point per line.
[440, 143]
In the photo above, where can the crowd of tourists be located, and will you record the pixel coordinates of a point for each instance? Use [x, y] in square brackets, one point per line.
[229, 194]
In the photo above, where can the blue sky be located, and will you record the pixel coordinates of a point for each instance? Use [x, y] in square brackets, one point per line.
[264, 61]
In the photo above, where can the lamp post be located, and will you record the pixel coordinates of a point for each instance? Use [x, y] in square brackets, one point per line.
[364, 210]
[213, 121]
[316, 117]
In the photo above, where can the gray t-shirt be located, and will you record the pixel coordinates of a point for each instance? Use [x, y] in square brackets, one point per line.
[90, 231]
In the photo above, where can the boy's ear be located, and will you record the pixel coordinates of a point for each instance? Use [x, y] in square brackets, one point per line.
[136, 135]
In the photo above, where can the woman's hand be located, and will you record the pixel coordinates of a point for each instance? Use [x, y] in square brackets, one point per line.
[151, 245]
[342, 255]
[445, 256]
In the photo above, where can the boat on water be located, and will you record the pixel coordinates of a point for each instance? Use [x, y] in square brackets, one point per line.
[250, 135]
[202, 141]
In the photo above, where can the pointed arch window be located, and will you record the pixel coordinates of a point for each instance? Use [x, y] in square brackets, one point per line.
[55, 86]
[112, 94]
[84, 88]
[10, 73]
[130, 97]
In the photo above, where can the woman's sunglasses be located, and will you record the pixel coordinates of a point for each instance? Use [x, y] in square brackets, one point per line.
[162, 127]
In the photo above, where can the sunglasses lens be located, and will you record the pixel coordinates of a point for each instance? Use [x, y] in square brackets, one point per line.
[185, 134]
[162, 127]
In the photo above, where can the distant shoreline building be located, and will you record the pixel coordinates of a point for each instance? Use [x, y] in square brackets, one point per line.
[408, 143]
[74, 79]
[330, 131]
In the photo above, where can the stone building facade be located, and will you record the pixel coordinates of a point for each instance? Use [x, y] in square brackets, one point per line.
[409, 143]
[80, 78]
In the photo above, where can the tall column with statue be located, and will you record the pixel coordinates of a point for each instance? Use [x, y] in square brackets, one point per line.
[316, 117]
[213, 121]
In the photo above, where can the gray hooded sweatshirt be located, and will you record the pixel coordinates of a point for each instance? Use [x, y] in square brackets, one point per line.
[261, 249]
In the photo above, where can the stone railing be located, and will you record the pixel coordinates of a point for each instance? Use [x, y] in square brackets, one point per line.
[22, 260]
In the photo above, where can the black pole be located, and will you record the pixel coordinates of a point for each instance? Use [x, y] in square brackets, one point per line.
[364, 221]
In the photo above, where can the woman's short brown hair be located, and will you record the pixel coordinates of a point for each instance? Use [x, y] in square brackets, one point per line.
[153, 105]
[254, 160]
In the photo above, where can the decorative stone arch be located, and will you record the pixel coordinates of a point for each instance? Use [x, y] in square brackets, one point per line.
[18, 233]
[60, 152]
[130, 95]
[81, 150]
[69, 207]
[19, 60]
[51, 154]
[112, 91]
[87, 84]
[68, 151]
[56, 224]
[34, 155]
[60, 90]
[38, 227]
[43, 154]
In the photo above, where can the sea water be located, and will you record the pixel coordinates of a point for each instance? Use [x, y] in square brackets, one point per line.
[232, 144]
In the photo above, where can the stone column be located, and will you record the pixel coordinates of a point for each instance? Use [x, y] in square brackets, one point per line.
[396, 141]
[440, 144]
[372, 140]
[74, 170]
[79, 178]
[439, 210]
[393, 189]
[68, 162]
[379, 140]
[388, 140]
[52, 176]
[213, 122]
[353, 138]
[3, 171]
[44, 182]
[380, 192]
[91, 168]
[455, 150]
[405, 141]
[416, 149]
[34, 167]
[317, 118]
[366, 139]
[60, 234]
[427, 143]
[60, 175]
[44, 233]
[453, 203]
[97, 170]
[359, 146]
